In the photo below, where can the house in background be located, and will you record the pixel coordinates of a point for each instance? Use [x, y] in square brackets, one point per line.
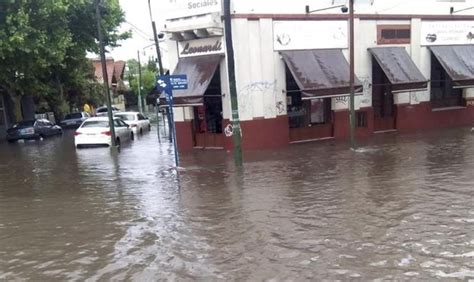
[115, 75]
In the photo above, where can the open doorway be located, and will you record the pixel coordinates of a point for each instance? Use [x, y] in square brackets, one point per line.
[382, 100]
[208, 131]
[308, 119]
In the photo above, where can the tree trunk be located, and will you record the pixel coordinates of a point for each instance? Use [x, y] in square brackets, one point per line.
[17, 106]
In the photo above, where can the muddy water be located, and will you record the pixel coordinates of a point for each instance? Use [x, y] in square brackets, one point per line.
[402, 207]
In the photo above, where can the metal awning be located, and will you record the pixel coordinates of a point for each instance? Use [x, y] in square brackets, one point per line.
[458, 62]
[320, 73]
[199, 71]
[399, 68]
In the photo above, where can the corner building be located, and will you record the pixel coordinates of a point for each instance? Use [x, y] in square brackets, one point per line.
[414, 65]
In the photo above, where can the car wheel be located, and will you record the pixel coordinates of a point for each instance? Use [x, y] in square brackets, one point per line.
[132, 137]
[11, 141]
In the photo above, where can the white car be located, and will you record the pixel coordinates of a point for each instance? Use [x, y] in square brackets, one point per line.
[138, 122]
[96, 132]
[103, 111]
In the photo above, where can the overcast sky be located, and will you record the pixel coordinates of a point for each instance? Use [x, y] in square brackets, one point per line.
[138, 20]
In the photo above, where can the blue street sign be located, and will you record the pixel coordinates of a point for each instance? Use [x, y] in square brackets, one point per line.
[179, 82]
[163, 83]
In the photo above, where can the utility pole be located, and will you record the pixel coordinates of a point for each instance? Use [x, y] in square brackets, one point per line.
[352, 75]
[104, 72]
[160, 66]
[236, 130]
[140, 102]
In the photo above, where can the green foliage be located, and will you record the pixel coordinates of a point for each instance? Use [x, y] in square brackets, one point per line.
[148, 81]
[43, 48]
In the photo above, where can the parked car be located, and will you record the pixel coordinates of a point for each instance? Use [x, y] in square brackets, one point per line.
[74, 120]
[103, 111]
[137, 121]
[95, 131]
[33, 129]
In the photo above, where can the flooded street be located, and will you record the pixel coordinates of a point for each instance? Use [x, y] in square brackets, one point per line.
[402, 207]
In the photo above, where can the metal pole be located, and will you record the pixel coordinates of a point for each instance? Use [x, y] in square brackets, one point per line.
[158, 121]
[104, 72]
[160, 63]
[237, 137]
[351, 74]
[140, 102]
[175, 145]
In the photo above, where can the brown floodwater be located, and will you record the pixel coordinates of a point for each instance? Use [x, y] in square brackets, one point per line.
[401, 207]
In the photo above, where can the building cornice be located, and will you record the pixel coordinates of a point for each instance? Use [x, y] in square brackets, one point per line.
[302, 17]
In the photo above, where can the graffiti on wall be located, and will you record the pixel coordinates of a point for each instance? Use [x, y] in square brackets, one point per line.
[280, 107]
[258, 88]
[366, 99]
[342, 100]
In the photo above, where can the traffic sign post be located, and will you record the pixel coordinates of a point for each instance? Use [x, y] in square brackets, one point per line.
[166, 84]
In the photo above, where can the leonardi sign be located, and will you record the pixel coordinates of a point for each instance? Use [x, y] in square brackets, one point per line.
[201, 47]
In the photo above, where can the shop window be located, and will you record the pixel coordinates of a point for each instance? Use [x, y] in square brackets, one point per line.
[442, 92]
[209, 116]
[303, 113]
[393, 34]
[361, 119]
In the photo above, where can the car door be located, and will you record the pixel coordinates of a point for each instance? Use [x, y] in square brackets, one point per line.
[121, 129]
[39, 128]
[42, 128]
[49, 128]
[126, 128]
[143, 122]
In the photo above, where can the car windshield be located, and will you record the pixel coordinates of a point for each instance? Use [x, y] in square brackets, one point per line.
[73, 116]
[126, 117]
[25, 123]
[96, 123]
[104, 110]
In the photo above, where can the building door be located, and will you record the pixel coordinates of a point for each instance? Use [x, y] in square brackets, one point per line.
[382, 100]
[208, 131]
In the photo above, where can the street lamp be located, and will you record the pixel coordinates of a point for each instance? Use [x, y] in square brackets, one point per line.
[346, 9]
[452, 11]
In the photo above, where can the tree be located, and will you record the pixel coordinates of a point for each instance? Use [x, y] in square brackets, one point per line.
[43, 47]
[33, 38]
[148, 82]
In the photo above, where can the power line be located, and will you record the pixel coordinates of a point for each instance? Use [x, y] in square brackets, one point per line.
[143, 33]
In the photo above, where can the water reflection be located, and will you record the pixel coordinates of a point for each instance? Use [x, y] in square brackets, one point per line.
[399, 208]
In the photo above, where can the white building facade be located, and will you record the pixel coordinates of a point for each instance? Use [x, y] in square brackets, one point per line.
[414, 65]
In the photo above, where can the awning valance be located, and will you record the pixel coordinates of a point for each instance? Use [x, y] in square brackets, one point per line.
[458, 62]
[199, 71]
[320, 73]
[399, 68]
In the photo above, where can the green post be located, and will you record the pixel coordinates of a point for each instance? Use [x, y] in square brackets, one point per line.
[352, 75]
[140, 102]
[104, 72]
[237, 136]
